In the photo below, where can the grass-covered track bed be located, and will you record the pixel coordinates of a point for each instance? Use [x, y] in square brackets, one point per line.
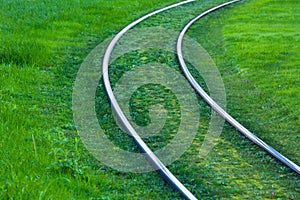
[255, 45]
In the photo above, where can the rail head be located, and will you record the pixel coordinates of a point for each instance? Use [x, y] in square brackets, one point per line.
[219, 109]
[152, 158]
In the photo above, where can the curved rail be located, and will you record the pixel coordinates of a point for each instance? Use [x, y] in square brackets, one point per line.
[154, 161]
[220, 110]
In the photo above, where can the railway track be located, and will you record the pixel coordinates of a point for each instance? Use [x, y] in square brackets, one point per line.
[151, 157]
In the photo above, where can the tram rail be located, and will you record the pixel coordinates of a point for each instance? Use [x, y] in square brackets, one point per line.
[151, 157]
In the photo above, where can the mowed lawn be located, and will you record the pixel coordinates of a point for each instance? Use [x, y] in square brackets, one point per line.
[262, 40]
[264, 46]
[256, 46]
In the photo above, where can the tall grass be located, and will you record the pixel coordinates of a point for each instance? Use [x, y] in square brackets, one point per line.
[42, 46]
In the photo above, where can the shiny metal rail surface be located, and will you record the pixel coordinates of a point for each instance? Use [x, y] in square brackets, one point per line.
[152, 158]
[216, 107]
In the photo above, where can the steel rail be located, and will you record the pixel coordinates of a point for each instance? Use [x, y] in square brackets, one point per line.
[151, 157]
[216, 107]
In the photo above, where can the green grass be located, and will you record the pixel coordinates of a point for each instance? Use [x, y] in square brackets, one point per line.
[43, 44]
[42, 47]
[268, 66]
[255, 47]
